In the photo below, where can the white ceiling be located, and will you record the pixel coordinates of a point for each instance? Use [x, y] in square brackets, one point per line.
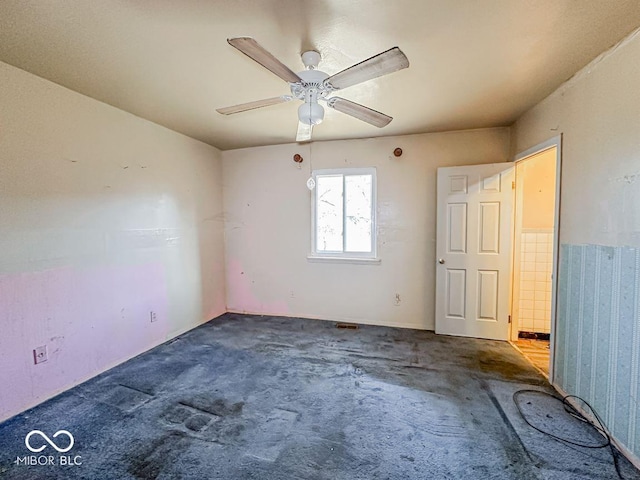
[473, 63]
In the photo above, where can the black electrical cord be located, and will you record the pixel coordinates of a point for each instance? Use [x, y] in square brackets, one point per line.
[597, 425]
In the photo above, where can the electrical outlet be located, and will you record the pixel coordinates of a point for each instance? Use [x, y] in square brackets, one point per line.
[40, 354]
[153, 316]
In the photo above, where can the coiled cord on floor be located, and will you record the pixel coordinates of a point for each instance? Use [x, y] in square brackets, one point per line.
[597, 424]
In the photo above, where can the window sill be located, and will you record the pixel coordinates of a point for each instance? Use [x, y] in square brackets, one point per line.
[352, 260]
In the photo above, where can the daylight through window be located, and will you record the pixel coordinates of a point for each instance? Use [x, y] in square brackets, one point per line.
[344, 222]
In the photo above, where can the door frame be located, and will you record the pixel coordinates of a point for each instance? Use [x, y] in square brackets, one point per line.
[541, 147]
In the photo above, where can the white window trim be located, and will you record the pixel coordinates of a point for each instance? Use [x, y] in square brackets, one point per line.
[346, 257]
[333, 259]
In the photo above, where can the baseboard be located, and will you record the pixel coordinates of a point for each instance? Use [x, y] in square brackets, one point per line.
[361, 321]
[623, 449]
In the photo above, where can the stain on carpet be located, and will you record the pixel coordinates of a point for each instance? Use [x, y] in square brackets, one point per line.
[149, 461]
[125, 398]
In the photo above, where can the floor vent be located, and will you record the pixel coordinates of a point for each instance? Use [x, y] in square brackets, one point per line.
[350, 326]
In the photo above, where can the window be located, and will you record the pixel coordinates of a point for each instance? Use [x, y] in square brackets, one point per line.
[344, 206]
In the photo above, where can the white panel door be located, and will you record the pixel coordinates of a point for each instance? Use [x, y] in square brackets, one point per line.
[473, 246]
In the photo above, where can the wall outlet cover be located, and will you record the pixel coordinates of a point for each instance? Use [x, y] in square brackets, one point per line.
[40, 354]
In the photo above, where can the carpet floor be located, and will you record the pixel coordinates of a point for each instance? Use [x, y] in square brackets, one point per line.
[251, 397]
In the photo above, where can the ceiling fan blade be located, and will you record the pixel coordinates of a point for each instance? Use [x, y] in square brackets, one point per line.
[243, 107]
[255, 51]
[382, 64]
[360, 112]
[304, 132]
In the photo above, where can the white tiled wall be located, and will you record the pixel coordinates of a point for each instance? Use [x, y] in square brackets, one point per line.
[535, 281]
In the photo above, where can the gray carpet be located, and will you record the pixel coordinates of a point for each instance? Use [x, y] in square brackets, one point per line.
[246, 397]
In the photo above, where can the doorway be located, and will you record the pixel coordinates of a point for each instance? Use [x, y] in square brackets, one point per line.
[535, 252]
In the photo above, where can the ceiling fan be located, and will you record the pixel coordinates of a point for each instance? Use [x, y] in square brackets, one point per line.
[312, 85]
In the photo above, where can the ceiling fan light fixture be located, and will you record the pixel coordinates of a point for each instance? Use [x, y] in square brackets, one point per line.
[310, 113]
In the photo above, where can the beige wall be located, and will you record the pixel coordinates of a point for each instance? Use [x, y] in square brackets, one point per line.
[598, 114]
[268, 227]
[538, 177]
[104, 217]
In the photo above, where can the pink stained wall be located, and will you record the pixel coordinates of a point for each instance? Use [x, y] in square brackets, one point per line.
[87, 318]
[104, 218]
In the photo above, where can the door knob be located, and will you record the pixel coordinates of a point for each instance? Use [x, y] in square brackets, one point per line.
[441, 261]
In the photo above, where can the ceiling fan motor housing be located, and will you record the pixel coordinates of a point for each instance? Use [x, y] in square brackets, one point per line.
[313, 83]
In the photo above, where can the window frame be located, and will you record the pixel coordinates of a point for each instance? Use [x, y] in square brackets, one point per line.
[363, 257]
